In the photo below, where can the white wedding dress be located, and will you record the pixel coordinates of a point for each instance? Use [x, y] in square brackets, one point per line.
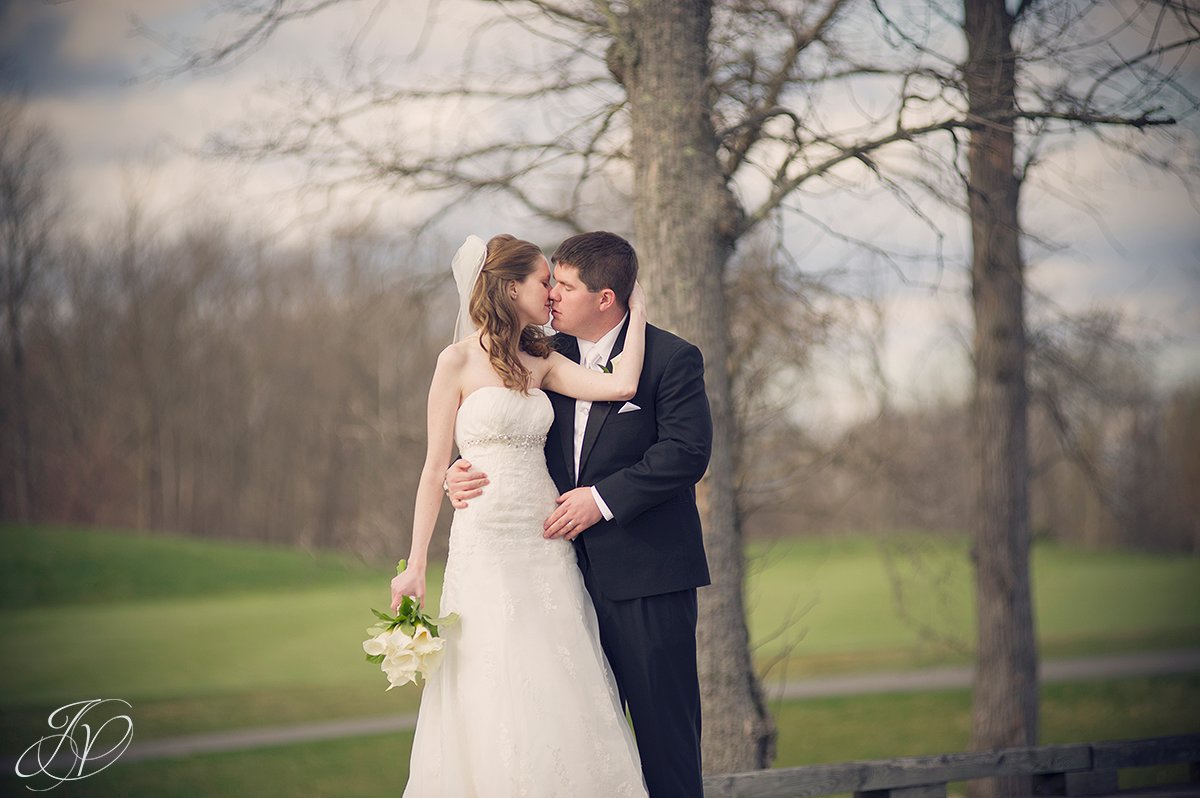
[524, 702]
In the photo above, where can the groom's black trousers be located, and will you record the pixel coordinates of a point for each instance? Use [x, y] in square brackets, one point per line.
[651, 645]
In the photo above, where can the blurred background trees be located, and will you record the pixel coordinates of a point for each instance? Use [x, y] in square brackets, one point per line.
[29, 207]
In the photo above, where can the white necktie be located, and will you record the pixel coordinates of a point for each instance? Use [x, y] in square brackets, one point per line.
[583, 408]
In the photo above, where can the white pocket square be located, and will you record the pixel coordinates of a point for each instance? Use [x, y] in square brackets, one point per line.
[628, 407]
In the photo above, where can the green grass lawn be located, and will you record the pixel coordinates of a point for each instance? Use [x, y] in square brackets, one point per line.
[45, 566]
[915, 724]
[810, 732]
[202, 635]
[858, 604]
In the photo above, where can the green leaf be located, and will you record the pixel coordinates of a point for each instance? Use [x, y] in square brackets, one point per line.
[381, 616]
[407, 628]
[400, 566]
[376, 658]
[377, 629]
[448, 620]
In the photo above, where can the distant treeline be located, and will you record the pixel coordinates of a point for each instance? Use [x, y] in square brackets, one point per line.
[205, 385]
[1126, 477]
[214, 383]
[212, 387]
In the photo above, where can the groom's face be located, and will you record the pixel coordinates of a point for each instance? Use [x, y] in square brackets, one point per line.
[575, 309]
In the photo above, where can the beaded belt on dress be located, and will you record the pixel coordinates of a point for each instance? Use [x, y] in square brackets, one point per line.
[518, 441]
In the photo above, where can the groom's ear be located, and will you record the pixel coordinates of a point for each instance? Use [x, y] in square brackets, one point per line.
[608, 298]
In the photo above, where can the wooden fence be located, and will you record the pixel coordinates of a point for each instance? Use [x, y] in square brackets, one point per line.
[1081, 769]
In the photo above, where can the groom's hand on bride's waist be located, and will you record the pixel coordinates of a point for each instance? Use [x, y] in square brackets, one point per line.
[577, 510]
[462, 483]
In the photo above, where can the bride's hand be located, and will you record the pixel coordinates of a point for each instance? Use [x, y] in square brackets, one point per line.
[637, 299]
[409, 583]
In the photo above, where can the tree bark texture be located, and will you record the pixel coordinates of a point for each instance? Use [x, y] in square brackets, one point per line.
[684, 220]
[1005, 695]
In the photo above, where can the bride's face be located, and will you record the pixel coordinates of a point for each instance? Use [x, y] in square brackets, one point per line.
[533, 295]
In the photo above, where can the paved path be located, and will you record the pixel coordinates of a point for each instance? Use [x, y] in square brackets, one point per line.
[244, 739]
[1067, 670]
[1113, 666]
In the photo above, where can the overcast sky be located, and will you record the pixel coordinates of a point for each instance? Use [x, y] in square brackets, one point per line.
[86, 77]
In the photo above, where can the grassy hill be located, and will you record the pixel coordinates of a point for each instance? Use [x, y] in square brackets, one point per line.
[208, 634]
[908, 600]
[45, 566]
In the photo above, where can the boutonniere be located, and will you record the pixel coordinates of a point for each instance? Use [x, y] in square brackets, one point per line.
[608, 368]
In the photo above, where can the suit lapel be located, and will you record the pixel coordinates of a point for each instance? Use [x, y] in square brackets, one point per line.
[619, 344]
[568, 347]
[599, 412]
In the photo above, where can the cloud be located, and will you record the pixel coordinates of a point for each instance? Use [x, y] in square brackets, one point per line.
[121, 136]
[44, 53]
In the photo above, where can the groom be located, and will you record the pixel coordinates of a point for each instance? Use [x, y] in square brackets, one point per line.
[627, 474]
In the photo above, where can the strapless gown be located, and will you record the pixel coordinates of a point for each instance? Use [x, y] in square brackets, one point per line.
[524, 703]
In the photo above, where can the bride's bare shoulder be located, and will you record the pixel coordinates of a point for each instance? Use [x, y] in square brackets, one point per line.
[457, 355]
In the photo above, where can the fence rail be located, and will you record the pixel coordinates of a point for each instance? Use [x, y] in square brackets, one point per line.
[1079, 769]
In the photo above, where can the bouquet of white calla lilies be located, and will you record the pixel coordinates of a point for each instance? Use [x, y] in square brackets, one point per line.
[406, 644]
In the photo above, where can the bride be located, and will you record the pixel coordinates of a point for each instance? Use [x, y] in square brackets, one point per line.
[524, 702]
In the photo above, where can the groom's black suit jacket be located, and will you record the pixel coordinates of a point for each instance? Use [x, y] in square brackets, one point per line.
[645, 464]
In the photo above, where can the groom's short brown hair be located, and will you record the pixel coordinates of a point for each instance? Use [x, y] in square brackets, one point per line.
[604, 260]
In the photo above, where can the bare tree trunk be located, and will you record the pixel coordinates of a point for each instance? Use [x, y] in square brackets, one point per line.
[684, 220]
[23, 474]
[1005, 697]
[150, 431]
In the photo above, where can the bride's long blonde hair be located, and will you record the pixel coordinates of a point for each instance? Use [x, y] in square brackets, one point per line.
[492, 309]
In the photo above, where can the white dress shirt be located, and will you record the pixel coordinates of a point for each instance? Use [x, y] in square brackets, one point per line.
[593, 355]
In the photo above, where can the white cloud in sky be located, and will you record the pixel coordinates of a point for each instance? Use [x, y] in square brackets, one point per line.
[115, 134]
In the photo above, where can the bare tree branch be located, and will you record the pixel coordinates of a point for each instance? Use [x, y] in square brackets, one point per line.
[244, 43]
